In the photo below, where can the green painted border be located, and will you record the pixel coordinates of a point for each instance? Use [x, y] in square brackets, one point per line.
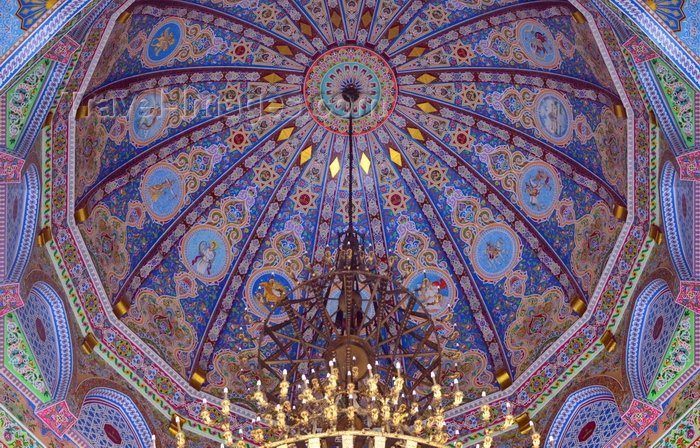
[45, 397]
[654, 393]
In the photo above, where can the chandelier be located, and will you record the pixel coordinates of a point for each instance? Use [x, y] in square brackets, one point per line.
[355, 361]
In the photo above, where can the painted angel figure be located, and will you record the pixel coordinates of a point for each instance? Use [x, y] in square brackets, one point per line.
[202, 263]
[533, 188]
[494, 252]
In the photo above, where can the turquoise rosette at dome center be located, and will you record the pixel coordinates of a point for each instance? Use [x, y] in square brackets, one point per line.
[343, 66]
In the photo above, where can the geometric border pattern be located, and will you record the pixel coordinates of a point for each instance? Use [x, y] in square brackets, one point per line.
[565, 423]
[673, 232]
[676, 51]
[63, 346]
[57, 416]
[641, 415]
[640, 361]
[37, 36]
[125, 407]
[31, 214]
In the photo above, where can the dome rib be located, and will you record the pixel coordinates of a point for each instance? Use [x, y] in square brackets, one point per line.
[224, 306]
[519, 215]
[125, 83]
[559, 77]
[230, 16]
[498, 357]
[98, 192]
[136, 277]
[485, 16]
[549, 150]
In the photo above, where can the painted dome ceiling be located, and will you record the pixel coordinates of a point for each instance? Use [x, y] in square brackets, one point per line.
[213, 162]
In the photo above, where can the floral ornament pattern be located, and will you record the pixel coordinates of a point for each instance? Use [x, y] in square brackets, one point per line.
[612, 145]
[540, 319]
[160, 321]
[350, 66]
[594, 233]
[14, 435]
[106, 236]
[20, 360]
[93, 136]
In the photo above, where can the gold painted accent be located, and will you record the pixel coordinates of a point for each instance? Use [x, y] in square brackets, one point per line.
[83, 112]
[273, 78]
[89, 343]
[652, 118]
[366, 18]
[656, 234]
[49, 119]
[306, 29]
[50, 4]
[285, 133]
[417, 51]
[335, 18]
[334, 167]
[578, 17]
[427, 108]
[620, 212]
[523, 421]
[305, 155]
[273, 107]
[123, 17]
[426, 78]
[393, 32]
[416, 134]
[651, 5]
[173, 424]
[608, 340]
[365, 163]
[283, 49]
[619, 111]
[81, 215]
[503, 378]
[395, 156]
[44, 236]
[198, 377]
[659, 238]
[578, 305]
[122, 307]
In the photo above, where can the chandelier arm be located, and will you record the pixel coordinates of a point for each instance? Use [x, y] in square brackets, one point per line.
[381, 323]
[283, 348]
[306, 321]
[423, 341]
[295, 361]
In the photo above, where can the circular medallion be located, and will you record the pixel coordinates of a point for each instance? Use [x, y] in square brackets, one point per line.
[538, 44]
[265, 289]
[163, 42]
[538, 189]
[162, 191]
[553, 116]
[495, 252]
[148, 117]
[339, 68]
[205, 252]
[434, 288]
